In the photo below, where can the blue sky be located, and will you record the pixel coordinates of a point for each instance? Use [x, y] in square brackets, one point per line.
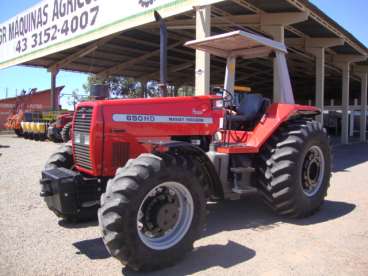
[349, 14]
[21, 77]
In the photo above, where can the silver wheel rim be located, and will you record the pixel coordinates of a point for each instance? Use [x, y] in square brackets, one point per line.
[184, 217]
[313, 171]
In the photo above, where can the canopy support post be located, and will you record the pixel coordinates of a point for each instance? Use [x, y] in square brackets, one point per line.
[230, 75]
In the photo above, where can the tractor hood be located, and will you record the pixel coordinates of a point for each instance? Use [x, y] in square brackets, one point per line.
[116, 130]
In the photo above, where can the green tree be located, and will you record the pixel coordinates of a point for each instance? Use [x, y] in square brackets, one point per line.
[126, 87]
[120, 87]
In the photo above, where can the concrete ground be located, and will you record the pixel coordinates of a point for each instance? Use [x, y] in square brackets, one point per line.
[242, 238]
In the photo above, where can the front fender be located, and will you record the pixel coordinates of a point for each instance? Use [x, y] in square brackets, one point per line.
[207, 167]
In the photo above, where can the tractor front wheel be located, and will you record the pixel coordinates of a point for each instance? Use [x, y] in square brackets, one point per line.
[153, 210]
[62, 158]
[295, 168]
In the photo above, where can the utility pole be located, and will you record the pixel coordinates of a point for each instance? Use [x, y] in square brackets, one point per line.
[53, 90]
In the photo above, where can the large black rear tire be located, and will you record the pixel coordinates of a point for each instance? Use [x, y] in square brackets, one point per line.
[294, 168]
[65, 132]
[126, 196]
[63, 158]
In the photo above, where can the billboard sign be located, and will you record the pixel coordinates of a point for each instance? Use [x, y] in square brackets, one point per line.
[56, 25]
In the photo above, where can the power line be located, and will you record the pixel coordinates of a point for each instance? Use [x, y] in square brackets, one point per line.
[6, 92]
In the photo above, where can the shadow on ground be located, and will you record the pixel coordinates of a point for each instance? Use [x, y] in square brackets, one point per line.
[329, 211]
[93, 249]
[4, 146]
[347, 156]
[72, 225]
[204, 257]
[249, 213]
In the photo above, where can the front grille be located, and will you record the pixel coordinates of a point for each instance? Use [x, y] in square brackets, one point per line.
[82, 124]
[83, 119]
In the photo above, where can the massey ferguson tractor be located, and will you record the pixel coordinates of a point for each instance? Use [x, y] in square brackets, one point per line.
[148, 166]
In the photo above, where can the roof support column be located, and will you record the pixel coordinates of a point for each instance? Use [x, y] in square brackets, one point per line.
[274, 25]
[362, 71]
[316, 46]
[363, 109]
[53, 90]
[202, 68]
[344, 62]
[345, 67]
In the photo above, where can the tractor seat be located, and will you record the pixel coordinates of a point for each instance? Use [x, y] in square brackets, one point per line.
[251, 109]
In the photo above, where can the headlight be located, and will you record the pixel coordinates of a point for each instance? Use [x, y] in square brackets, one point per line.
[86, 139]
[77, 138]
[81, 138]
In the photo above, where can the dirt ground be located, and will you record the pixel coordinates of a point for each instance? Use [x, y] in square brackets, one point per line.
[242, 238]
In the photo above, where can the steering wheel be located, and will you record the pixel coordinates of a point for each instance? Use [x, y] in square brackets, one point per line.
[227, 96]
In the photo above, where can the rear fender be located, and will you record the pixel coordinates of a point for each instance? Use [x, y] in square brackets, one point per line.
[276, 115]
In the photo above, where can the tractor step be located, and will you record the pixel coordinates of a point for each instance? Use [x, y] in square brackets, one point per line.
[240, 170]
[245, 190]
[241, 186]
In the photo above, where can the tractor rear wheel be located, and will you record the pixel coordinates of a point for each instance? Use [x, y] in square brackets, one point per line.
[65, 132]
[295, 167]
[63, 158]
[153, 210]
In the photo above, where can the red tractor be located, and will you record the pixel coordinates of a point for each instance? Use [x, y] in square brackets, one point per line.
[60, 130]
[148, 166]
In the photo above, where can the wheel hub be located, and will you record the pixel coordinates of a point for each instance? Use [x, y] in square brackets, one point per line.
[159, 212]
[165, 215]
[313, 171]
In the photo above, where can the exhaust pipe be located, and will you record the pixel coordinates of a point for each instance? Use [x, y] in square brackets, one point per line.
[163, 54]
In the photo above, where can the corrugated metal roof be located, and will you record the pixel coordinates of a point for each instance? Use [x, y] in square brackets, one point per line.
[143, 40]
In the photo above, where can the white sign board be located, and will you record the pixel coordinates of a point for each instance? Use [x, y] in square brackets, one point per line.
[55, 25]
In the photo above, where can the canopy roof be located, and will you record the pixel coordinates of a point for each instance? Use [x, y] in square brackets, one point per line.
[237, 43]
[131, 48]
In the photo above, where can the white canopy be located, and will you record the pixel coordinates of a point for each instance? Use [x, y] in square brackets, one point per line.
[247, 45]
[237, 44]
